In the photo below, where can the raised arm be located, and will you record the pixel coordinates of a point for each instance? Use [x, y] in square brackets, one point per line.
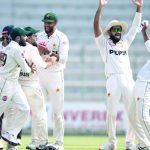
[145, 35]
[136, 22]
[144, 32]
[139, 4]
[97, 18]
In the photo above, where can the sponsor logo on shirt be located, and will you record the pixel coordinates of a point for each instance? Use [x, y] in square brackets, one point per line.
[24, 74]
[117, 52]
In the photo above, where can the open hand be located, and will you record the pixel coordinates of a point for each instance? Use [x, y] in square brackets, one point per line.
[33, 67]
[51, 59]
[145, 24]
[103, 2]
[42, 48]
[138, 2]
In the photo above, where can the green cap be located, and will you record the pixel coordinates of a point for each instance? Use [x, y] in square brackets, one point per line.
[49, 17]
[18, 32]
[31, 30]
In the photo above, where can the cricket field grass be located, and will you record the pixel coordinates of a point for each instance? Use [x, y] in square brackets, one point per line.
[78, 142]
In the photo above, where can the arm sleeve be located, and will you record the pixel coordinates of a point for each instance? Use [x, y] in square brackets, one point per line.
[101, 44]
[134, 28]
[37, 59]
[63, 50]
[21, 60]
[147, 44]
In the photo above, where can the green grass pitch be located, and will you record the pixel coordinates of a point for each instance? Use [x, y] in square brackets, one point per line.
[78, 142]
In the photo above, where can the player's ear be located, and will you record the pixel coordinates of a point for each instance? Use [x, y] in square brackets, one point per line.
[55, 23]
[109, 32]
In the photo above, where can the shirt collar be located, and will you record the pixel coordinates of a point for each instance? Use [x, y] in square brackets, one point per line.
[112, 43]
[53, 35]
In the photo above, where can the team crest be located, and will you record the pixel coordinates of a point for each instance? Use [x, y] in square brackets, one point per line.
[48, 16]
[54, 46]
[58, 89]
[120, 44]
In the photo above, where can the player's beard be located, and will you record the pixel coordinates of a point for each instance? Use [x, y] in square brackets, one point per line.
[6, 40]
[49, 30]
[22, 42]
[34, 43]
[114, 38]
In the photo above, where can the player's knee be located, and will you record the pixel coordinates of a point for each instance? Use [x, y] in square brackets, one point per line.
[58, 116]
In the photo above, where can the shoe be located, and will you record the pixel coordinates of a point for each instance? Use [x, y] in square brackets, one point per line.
[129, 146]
[46, 147]
[59, 144]
[49, 147]
[11, 147]
[32, 146]
[139, 147]
[9, 138]
[19, 142]
[108, 146]
[1, 144]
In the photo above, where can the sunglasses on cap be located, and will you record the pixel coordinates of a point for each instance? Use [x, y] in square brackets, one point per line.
[4, 33]
[116, 29]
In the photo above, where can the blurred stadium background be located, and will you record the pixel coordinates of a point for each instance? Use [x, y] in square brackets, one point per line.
[85, 91]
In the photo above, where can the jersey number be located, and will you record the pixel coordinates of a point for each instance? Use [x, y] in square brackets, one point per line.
[3, 58]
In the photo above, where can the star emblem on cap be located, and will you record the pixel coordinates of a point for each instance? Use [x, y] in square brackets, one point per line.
[48, 15]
